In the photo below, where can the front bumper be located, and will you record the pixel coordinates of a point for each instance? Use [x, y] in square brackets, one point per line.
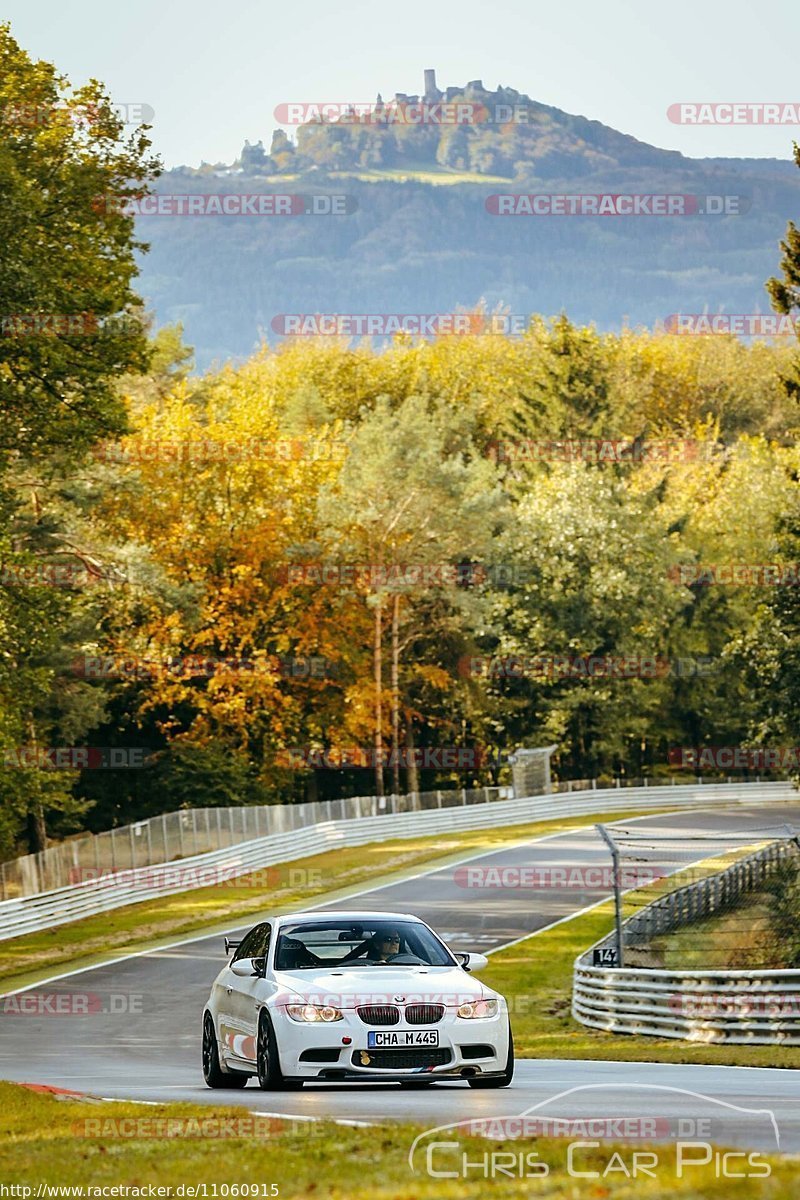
[466, 1048]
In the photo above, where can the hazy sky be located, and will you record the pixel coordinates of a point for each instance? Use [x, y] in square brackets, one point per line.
[214, 72]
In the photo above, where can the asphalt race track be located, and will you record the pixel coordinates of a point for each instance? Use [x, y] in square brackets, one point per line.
[140, 1038]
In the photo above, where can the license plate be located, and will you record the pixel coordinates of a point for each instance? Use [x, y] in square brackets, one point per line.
[402, 1037]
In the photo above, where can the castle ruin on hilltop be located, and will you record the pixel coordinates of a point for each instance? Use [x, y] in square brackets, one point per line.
[432, 93]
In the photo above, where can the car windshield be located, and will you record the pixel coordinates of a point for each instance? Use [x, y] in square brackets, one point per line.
[341, 943]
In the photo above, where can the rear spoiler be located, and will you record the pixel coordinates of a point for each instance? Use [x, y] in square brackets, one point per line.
[231, 945]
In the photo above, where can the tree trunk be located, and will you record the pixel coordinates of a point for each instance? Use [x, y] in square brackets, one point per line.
[37, 828]
[413, 775]
[377, 655]
[396, 694]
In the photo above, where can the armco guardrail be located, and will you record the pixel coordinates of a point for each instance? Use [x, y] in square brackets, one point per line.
[193, 831]
[761, 1007]
[757, 1007]
[30, 913]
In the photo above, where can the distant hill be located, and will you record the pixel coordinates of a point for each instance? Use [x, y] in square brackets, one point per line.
[410, 244]
[473, 129]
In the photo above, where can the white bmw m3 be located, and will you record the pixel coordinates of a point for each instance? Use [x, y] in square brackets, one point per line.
[352, 996]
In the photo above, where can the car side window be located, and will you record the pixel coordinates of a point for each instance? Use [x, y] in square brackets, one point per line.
[254, 944]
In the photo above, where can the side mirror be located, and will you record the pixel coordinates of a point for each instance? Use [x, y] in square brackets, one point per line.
[245, 968]
[472, 962]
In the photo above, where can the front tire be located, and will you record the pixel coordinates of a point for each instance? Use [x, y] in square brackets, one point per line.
[498, 1081]
[268, 1067]
[213, 1073]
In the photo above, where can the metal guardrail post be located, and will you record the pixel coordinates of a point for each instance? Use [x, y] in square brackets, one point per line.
[604, 834]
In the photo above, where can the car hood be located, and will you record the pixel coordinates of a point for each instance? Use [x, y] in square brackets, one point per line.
[383, 985]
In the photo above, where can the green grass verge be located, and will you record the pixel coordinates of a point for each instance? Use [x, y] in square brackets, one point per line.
[68, 1142]
[737, 940]
[332, 876]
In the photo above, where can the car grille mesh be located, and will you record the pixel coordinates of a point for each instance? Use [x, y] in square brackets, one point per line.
[424, 1014]
[379, 1014]
[389, 1014]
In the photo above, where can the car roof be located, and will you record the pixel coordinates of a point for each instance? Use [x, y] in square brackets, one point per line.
[346, 915]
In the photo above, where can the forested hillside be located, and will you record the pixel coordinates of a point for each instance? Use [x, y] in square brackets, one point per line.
[419, 235]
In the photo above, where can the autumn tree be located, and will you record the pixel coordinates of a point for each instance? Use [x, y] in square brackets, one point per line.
[413, 494]
[70, 328]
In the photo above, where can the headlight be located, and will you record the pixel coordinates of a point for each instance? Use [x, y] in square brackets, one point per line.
[311, 1013]
[478, 1008]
